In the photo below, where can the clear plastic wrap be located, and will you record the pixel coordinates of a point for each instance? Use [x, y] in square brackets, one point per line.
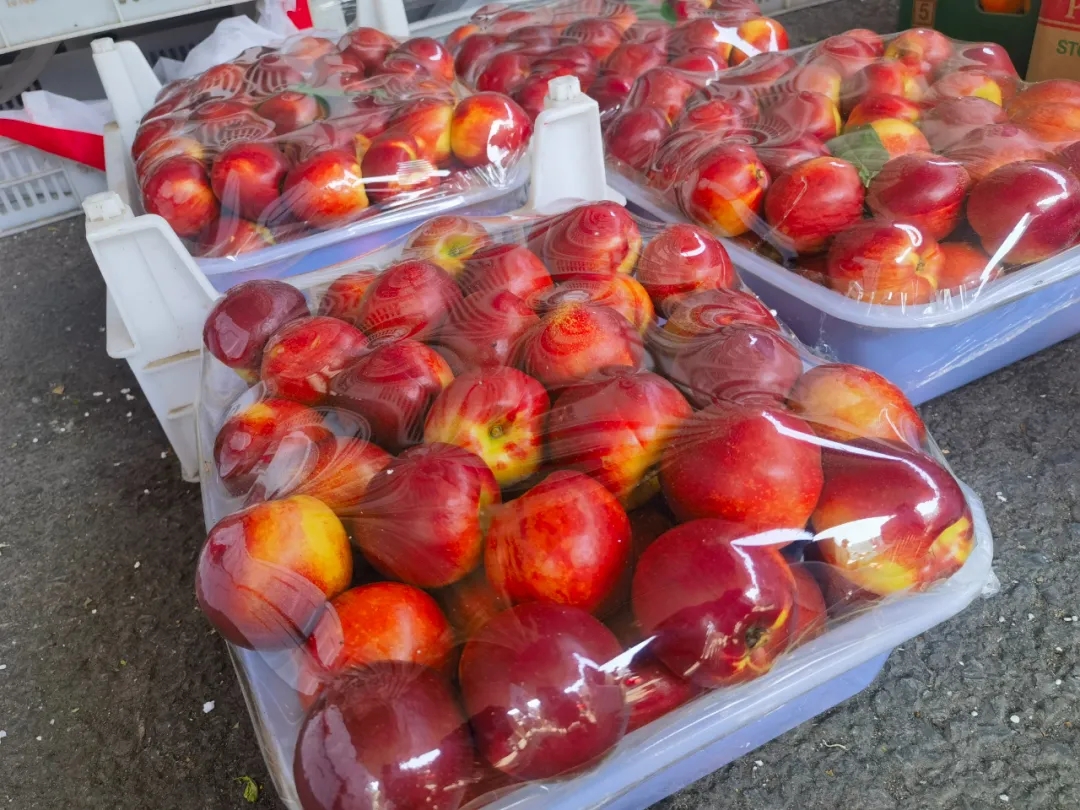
[547, 497]
[322, 139]
[911, 174]
[608, 44]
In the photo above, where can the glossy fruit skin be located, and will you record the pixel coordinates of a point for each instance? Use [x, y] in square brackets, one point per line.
[783, 155]
[370, 46]
[716, 115]
[986, 148]
[179, 191]
[726, 189]
[683, 259]
[248, 441]
[154, 129]
[336, 471]
[653, 690]
[844, 402]
[410, 299]
[565, 541]
[741, 362]
[231, 236]
[304, 356]
[635, 136]
[497, 413]
[926, 535]
[719, 613]
[361, 744]
[343, 297]
[601, 36]
[1048, 110]
[265, 573]
[882, 261]
[592, 241]
[923, 49]
[675, 158]
[503, 73]
[965, 267]
[240, 324]
[814, 201]
[923, 189]
[949, 121]
[539, 702]
[622, 293]
[576, 340]
[473, 55]
[755, 465]
[247, 177]
[397, 163]
[327, 189]
[381, 621]
[844, 53]
[483, 330]
[811, 613]
[965, 84]
[613, 426]
[447, 241]
[291, 110]
[422, 517]
[877, 107]
[663, 89]
[882, 76]
[707, 311]
[488, 128]
[1040, 197]
[391, 388]
[803, 112]
[510, 267]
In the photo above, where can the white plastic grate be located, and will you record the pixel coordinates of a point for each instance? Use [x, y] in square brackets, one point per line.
[37, 188]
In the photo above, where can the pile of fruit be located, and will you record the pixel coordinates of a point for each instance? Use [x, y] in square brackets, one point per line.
[604, 43]
[902, 171]
[315, 135]
[526, 490]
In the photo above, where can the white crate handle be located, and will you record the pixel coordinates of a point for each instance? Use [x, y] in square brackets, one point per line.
[567, 149]
[129, 82]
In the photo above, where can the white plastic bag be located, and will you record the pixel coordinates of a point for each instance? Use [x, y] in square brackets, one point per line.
[232, 37]
[52, 110]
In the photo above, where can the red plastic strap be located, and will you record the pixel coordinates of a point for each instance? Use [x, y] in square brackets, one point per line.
[301, 15]
[82, 147]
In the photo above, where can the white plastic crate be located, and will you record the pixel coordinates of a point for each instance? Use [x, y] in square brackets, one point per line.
[27, 23]
[158, 297]
[37, 188]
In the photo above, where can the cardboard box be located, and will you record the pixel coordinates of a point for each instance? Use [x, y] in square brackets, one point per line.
[1055, 51]
[1010, 23]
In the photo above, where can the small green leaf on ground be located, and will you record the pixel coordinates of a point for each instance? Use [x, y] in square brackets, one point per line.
[251, 790]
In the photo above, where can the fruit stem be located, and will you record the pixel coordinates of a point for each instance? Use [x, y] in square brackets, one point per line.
[754, 636]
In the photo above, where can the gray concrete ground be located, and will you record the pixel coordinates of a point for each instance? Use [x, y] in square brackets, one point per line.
[107, 668]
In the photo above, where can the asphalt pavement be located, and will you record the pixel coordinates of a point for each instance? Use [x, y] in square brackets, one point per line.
[115, 694]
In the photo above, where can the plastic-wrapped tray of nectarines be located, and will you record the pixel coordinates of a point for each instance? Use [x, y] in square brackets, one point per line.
[911, 173]
[607, 44]
[287, 149]
[526, 512]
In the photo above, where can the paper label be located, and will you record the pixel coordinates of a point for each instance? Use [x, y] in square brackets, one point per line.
[923, 13]
[1055, 51]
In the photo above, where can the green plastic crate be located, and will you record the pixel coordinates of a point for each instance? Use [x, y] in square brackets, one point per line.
[965, 19]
